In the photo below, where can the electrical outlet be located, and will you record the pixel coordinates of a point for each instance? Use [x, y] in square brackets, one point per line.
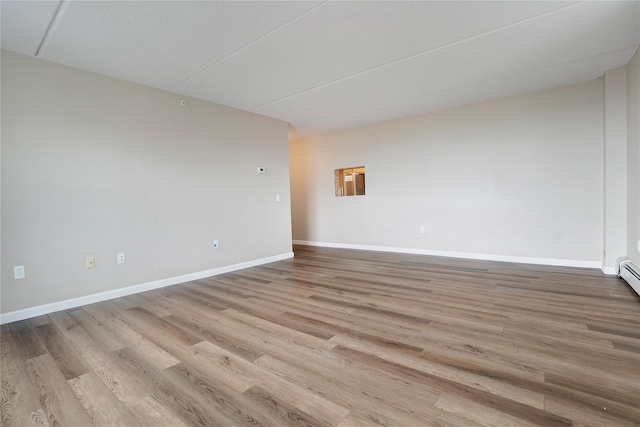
[91, 262]
[422, 229]
[18, 272]
[216, 243]
[121, 258]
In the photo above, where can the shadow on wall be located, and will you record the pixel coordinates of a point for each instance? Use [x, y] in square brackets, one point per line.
[299, 187]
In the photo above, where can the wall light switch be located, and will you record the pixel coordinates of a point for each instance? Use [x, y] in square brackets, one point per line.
[216, 244]
[277, 197]
[422, 229]
[91, 262]
[121, 258]
[261, 170]
[18, 272]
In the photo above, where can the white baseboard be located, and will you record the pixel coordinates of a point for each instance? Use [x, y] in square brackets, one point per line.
[610, 271]
[27, 313]
[465, 255]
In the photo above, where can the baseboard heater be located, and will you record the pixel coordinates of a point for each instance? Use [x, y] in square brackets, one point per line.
[629, 272]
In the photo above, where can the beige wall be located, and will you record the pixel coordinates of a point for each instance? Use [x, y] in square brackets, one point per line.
[633, 159]
[93, 165]
[615, 167]
[520, 176]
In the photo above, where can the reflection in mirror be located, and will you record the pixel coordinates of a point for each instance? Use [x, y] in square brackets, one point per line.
[349, 181]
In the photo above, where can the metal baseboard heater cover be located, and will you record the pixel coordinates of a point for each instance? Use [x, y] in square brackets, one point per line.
[629, 272]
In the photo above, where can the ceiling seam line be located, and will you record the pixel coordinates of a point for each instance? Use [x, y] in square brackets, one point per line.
[52, 24]
[493, 79]
[416, 55]
[208, 67]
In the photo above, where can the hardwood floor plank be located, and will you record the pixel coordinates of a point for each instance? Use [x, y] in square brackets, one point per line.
[338, 337]
[169, 388]
[89, 351]
[235, 381]
[623, 331]
[97, 330]
[19, 403]
[199, 328]
[588, 415]
[396, 397]
[151, 413]
[185, 354]
[270, 343]
[40, 320]
[101, 405]
[281, 412]
[626, 346]
[156, 356]
[175, 333]
[622, 392]
[235, 406]
[356, 333]
[306, 401]
[147, 304]
[128, 388]
[59, 402]
[528, 412]
[273, 316]
[480, 414]
[68, 360]
[445, 377]
[278, 330]
[27, 339]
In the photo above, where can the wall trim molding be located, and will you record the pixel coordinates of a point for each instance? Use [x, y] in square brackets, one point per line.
[610, 271]
[465, 255]
[27, 313]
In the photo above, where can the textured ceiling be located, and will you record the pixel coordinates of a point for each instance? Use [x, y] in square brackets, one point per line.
[324, 66]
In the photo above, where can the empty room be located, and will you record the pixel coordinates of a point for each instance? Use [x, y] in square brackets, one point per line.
[320, 213]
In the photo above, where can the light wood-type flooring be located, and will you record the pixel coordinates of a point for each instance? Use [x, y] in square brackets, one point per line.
[338, 338]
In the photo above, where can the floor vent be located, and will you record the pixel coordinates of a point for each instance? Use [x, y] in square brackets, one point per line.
[629, 272]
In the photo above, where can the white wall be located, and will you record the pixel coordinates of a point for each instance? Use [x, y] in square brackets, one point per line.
[633, 159]
[615, 167]
[92, 166]
[516, 177]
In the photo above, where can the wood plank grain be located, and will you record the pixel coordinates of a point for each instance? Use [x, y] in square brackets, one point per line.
[339, 337]
[168, 388]
[483, 415]
[156, 356]
[151, 413]
[128, 388]
[223, 400]
[66, 357]
[396, 396]
[199, 327]
[27, 339]
[526, 412]
[284, 412]
[306, 401]
[97, 330]
[101, 405]
[59, 402]
[19, 403]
